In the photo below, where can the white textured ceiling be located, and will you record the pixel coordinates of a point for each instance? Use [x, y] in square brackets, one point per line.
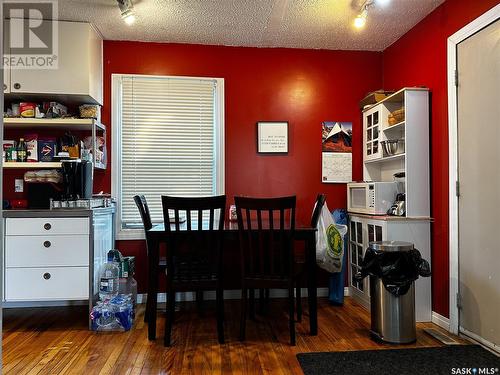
[323, 24]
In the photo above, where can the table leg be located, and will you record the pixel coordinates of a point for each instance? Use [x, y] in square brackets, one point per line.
[311, 283]
[153, 257]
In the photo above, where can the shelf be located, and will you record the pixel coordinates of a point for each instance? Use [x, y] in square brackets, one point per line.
[56, 123]
[31, 165]
[400, 126]
[386, 158]
[397, 97]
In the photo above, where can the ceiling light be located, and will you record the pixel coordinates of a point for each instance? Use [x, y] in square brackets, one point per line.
[383, 3]
[127, 11]
[360, 19]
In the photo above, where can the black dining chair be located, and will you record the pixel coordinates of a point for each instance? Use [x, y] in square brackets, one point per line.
[142, 205]
[194, 252]
[266, 229]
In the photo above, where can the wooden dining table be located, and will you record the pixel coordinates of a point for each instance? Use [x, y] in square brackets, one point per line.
[157, 235]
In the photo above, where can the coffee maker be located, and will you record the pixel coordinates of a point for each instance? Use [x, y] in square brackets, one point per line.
[77, 179]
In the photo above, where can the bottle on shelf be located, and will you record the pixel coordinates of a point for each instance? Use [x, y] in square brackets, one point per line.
[22, 151]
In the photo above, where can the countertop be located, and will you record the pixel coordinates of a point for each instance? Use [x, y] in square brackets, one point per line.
[60, 212]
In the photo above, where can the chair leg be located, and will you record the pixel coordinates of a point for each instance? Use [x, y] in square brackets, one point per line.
[219, 296]
[291, 316]
[148, 308]
[243, 313]
[251, 306]
[261, 301]
[298, 296]
[199, 302]
[170, 317]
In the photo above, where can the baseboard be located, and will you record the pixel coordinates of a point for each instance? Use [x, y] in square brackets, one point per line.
[234, 294]
[440, 321]
[23, 304]
[479, 340]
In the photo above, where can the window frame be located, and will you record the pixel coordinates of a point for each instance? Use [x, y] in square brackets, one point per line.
[116, 144]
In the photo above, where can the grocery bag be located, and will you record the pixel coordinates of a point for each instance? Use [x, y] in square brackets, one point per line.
[329, 242]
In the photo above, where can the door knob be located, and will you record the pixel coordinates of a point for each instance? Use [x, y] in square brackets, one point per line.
[46, 275]
[17, 86]
[4, 87]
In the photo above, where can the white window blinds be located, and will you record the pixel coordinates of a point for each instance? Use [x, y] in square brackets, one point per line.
[168, 129]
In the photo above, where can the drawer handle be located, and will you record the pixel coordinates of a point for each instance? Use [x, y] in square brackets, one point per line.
[46, 275]
[47, 244]
[17, 86]
[47, 226]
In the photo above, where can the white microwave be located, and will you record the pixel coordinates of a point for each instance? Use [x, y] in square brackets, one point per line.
[372, 198]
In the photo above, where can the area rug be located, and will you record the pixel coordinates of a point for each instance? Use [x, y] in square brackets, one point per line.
[446, 360]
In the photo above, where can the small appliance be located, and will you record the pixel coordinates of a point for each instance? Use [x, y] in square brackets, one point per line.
[77, 179]
[398, 208]
[372, 198]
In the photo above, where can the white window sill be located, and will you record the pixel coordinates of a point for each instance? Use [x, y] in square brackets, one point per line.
[130, 234]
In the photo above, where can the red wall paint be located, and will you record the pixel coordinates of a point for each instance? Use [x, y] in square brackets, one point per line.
[419, 59]
[304, 87]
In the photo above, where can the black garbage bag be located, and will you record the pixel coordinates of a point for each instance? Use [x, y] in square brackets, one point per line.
[397, 269]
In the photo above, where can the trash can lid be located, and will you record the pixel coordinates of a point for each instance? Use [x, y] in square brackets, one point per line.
[391, 246]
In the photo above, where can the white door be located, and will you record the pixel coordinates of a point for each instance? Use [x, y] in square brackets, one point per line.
[478, 62]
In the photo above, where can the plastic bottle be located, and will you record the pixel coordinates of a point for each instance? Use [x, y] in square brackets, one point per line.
[22, 151]
[108, 280]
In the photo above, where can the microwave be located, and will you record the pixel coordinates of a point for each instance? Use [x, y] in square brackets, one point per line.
[372, 198]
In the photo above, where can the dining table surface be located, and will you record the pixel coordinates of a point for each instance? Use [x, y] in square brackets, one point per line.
[157, 235]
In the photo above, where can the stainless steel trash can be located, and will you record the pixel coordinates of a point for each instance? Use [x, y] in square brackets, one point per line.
[392, 317]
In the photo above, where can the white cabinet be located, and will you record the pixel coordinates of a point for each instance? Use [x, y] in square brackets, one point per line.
[378, 166]
[55, 255]
[412, 156]
[78, 76]
[46, 258]
[364, 229]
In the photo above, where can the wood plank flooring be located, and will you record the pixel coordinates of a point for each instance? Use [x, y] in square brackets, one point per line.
[56, 341]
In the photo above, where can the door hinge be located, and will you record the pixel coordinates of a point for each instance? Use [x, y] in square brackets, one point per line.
[459, 301]
[457, 188]
[456, 77]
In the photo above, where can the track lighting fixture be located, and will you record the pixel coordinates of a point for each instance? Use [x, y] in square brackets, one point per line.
[127, 11]
[360, 20]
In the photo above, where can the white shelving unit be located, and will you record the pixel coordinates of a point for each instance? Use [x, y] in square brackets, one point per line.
[379, 167]
[32, 124]
[414, 161]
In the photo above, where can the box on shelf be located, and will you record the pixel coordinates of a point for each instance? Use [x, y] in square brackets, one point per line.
[46, 149]
[374, 97]
[32, 146]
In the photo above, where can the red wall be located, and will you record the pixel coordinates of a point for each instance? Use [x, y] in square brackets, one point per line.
[304, 87]
[419, 59]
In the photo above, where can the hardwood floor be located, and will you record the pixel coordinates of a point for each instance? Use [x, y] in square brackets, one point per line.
[56, 341]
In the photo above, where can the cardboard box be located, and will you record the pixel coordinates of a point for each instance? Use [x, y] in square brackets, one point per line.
[46, 150]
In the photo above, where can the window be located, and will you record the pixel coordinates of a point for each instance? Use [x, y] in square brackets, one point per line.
[168, 139]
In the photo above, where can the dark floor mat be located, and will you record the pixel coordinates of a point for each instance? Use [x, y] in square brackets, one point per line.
[444, 360]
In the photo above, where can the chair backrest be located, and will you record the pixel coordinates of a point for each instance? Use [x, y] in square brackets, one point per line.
[266, 227]
[197, 249]
[320, 202]
[142, 205]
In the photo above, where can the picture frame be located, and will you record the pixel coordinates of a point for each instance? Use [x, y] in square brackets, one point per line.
[272, 137]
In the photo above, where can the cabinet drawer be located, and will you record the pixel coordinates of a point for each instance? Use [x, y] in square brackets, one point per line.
[46, 251]
[51, 225]
[39, 284]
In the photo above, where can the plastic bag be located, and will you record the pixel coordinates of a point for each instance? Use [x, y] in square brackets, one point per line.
[398, 269]
[329, 242]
